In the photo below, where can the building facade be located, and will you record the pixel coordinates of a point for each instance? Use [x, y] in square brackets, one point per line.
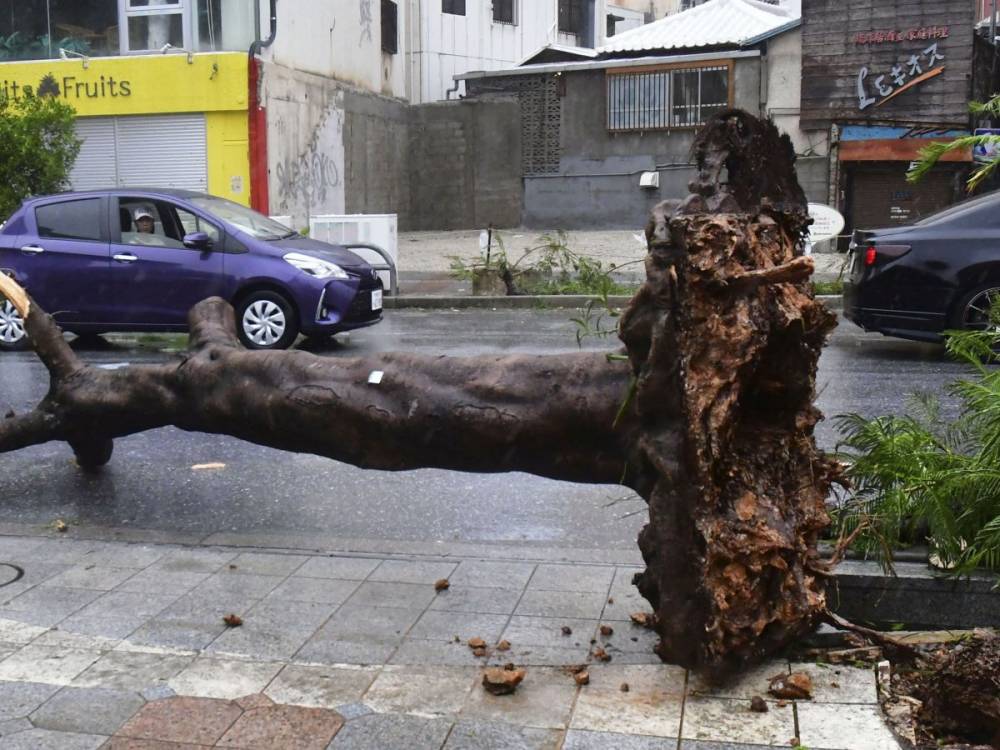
[450, 37]
[881, 81]
[603, 140]
[160, 88]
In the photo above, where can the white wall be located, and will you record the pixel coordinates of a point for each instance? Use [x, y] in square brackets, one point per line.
[659, 8]
[339, 39]
[444, 45]
[784, 85]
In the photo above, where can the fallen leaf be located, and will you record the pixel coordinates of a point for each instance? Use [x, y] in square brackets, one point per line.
[475, 643]
[601, 655]
[503, 646]
[232, 566]
[644, 619]
[232, 621]
[207, 467]
[479, 652]
[60, 525]
[442, 584]
[835, 684]
[782, 704]
[758, 705]
[794, 686]
[567, 630]
[611, 600]
[503, 681]
[607, 630]
[624, 687]
[582, 678]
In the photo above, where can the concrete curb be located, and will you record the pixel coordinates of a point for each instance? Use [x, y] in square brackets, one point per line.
[527, 302]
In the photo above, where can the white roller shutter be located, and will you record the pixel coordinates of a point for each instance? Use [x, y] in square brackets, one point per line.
[95, 167]
[142, 151]
[163, 151]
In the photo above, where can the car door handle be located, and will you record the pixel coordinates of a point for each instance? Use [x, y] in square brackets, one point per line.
[32, 249]
[126, 258]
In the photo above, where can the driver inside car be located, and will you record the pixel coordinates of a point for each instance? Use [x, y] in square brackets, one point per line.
[145, 228]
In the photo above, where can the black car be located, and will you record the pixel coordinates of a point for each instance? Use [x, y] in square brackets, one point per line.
[918, 281]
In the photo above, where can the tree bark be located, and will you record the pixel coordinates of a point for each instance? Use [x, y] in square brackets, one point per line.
[710, 419]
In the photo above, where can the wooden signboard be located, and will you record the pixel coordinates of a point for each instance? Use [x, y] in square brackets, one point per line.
[905, 61]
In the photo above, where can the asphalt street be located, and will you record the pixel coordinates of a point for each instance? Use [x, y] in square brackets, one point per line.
[150, 483]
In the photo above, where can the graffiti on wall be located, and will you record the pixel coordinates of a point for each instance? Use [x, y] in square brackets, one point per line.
[312, 181]
[366, 21]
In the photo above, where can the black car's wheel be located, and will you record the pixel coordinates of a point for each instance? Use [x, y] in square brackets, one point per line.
[12, 335]
[973, 310]
[266, 320]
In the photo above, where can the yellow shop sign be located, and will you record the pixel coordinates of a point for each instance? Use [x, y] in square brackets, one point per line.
[146, 84]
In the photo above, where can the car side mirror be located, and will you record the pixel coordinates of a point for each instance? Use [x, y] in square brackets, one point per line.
[198, 241]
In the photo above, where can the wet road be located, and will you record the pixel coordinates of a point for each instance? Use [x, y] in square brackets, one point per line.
[150, 483]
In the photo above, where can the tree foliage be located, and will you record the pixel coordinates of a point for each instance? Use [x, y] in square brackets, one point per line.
[932, 154]
[921, 477]
[38, 147]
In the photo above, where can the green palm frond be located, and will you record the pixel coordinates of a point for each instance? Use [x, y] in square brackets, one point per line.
[990, 108]
[932, 153]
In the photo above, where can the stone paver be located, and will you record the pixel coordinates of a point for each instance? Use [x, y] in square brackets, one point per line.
[425, 691]
[731, 720]
[491, 735]
[544, 701]
[271, 727]
[199, 721]
[19, 699]
[389, 732]
[361, 652]
[843, 727]
[320, 687]
[87, 710]
[223, 678]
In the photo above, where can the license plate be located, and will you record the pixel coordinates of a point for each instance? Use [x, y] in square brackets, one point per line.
[377, 299]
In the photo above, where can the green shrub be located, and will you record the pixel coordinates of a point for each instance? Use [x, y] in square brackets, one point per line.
[38, 146]
[922, 478]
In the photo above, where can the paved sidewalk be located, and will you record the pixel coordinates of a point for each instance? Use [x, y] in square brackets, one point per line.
[425, 258]
[120, 645]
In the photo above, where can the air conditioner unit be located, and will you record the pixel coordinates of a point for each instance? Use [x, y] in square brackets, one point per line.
[650, 180]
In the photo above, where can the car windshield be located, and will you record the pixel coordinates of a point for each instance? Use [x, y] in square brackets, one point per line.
[245, 219]
[963, 209]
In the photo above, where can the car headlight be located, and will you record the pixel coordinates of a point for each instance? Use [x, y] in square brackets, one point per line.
[321, 269]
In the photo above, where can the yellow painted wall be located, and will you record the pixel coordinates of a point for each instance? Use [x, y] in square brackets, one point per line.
[215, 84]
[228, 155]
[138, 84]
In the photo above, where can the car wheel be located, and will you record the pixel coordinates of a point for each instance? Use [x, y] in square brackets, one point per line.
[973, 311]
[12, 335]
[266, 320]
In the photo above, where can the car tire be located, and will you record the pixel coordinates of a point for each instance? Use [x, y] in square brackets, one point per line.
[266, 320]
[973, 307]
[12, 335]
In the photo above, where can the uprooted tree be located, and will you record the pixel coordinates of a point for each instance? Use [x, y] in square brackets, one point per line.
[709, 416]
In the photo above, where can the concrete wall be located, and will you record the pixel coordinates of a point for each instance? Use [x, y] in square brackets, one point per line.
[465, 164]
[340, 39]
[333, 148]
[598, 181]
[783, 84]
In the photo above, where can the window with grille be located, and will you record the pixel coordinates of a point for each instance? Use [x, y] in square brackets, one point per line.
[390, 27]
[503, 11]
[571, 16]
[664, 99]
[454, 7]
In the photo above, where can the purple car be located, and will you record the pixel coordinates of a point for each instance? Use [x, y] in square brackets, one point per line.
[138, 260]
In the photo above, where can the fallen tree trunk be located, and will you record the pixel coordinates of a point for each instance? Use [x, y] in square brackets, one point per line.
[710, 419]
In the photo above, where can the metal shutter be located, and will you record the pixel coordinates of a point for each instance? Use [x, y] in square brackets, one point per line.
[141, 151]
[95, 167]
[163, 151]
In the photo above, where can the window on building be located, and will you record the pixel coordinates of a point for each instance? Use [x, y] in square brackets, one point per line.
[453, 7]
[503, 11]
[390, 27]
[571, 15]
[664, 99]
[38, 29]
[71, 220]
